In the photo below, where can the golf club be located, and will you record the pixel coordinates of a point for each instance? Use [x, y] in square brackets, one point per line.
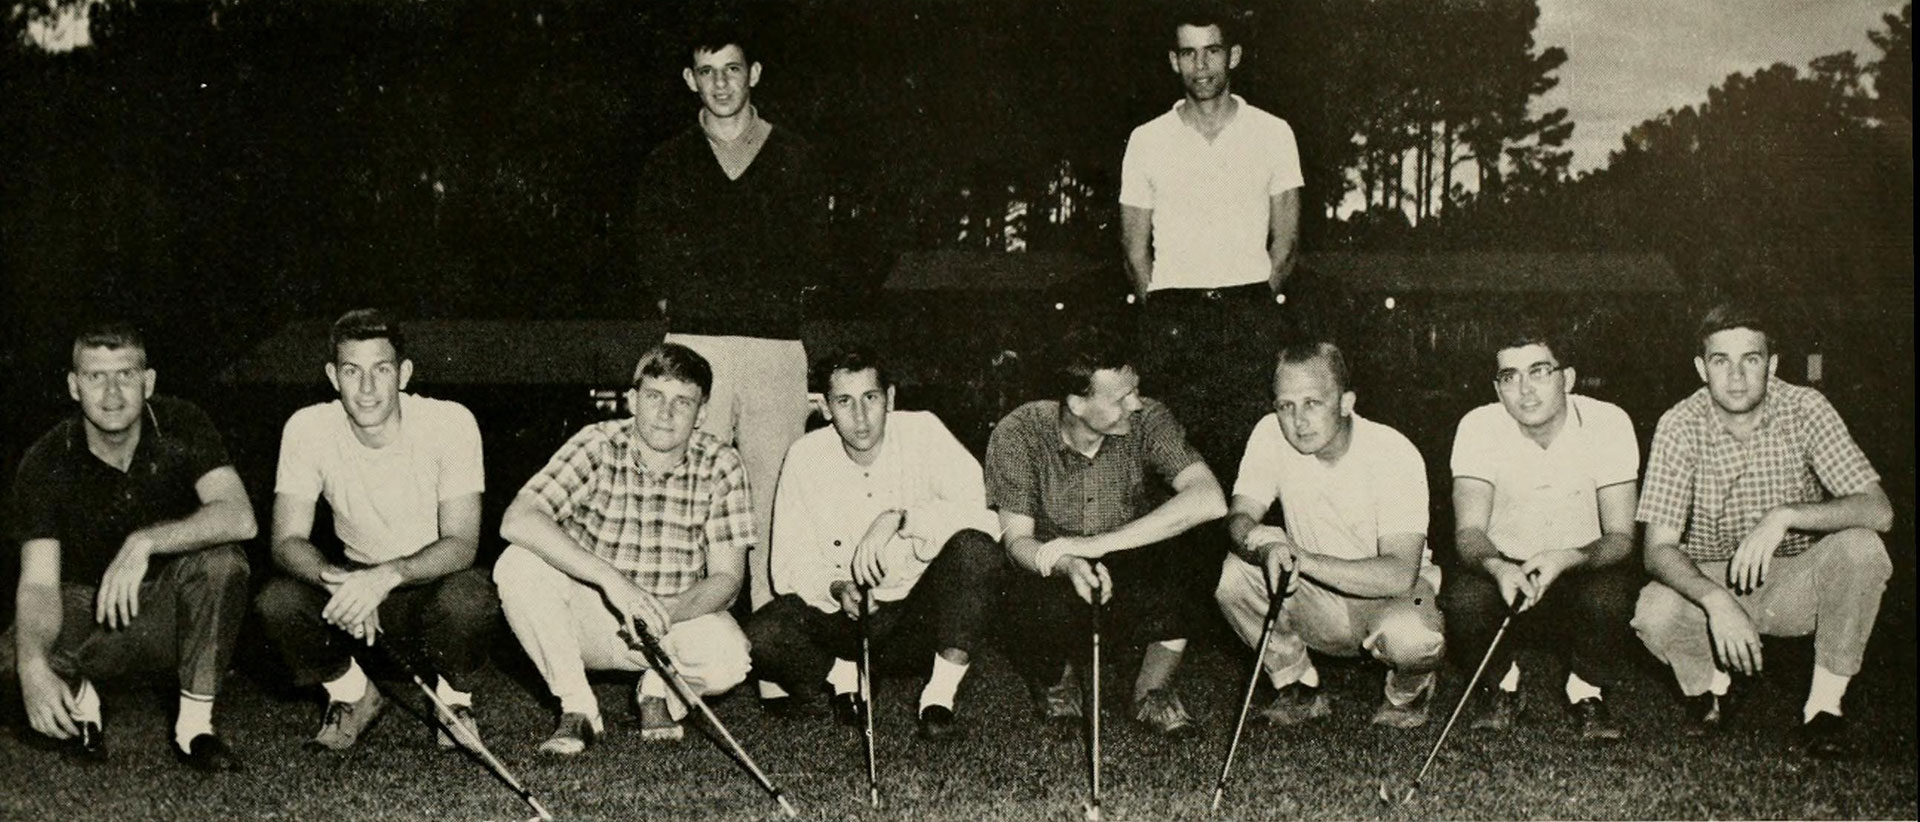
[1278, 598]
[443, 715]
[866, 693]
[639, 638]
[1093, 713]
[1462, 704]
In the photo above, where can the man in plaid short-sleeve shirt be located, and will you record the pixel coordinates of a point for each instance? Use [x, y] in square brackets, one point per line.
[1754, 481]
[633, 520]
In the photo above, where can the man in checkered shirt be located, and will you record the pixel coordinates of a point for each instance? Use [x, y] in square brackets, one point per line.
[632, 520]
[1761, 517]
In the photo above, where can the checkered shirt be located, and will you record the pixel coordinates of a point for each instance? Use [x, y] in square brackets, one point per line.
[1716, 488]
[1031, 471]
[654, 527]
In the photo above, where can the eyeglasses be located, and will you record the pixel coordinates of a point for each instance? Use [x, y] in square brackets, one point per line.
[1536, 374]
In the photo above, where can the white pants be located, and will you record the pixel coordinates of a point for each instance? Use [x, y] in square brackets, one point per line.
[759, 404]
[567, 629]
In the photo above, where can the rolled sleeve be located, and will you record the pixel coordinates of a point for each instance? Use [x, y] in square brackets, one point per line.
[1136, 186]
[1285, 175]
[463, 468]
[1666, 494]
[1837, 460]
[1259, 472]
[1403, 508]
[1165, 442]
[1473, 453]
[1617, 448]
[1012, 470]
[730, 519]
[564, 481]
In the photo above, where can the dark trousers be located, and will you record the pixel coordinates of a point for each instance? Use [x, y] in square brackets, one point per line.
[794, 643]
[440, 627]
[1208, 354]
[1154, 600]
[1585, 613]
[190, 613]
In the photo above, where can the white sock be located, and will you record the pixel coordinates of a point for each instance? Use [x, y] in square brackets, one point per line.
[1178, 646]
[86, 703]
[943, 683]
[1720, 683]
[1580, 690]
[844, 677]
[347, 687]
[1311, 678]
[447, 694]
[771, 690]
[196, 718]
[583, 703]
[1825, 695]
[1511, 682]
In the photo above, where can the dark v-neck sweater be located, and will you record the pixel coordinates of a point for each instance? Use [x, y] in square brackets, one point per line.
[731, 256]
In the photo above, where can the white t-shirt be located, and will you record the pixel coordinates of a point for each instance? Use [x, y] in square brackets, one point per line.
[1377, 489]
[1546, 498]
[1211, 201]
[386, 501]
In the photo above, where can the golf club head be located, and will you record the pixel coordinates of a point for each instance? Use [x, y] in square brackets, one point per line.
[785, 806]
[1384, 798]
[1092, 812]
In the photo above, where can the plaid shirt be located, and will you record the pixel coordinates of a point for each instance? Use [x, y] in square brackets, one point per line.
[1700, 479]
[656, 528]
[1032, 471]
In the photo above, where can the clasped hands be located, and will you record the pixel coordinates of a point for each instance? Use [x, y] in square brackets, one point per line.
[356, 598]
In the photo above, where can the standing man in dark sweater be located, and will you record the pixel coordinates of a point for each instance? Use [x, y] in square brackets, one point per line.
[732, 217]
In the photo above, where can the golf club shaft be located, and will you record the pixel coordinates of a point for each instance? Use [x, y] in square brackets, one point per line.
[866, 693]
[664, 664]
[1277, 599]
[1457, 708]
[465, 735]
[1093, 713]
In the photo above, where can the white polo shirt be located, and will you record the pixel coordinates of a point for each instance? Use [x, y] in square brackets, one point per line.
[1378, 488]
[1546, 498]
[386, 501]
[1211, 201]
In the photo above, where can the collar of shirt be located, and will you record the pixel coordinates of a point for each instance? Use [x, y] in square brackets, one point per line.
[755, 131]
[150, 437]
[1717, 425]
[1239, 108]
[633, 445]
[1066, 449]
[1568, 430]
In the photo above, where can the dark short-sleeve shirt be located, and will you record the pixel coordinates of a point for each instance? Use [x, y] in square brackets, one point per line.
[1033, 472]
[63, 492]
[1716, 488]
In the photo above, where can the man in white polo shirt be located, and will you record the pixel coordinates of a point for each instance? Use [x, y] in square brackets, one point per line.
[1544, 487]
[403, 476]
[1354, 494]
[1210, 210]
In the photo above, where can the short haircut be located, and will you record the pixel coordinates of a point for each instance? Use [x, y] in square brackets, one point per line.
[1731, 315]
[1083, 351]
[852, 359]
[366, 324]
[1535, 334]
[711, 35]
[1306, 351]
[109, 335]
[1201, 14]
[673, 361]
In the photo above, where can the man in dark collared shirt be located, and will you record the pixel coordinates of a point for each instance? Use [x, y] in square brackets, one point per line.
[1075, 482]
[127, 517]
[1751, 481]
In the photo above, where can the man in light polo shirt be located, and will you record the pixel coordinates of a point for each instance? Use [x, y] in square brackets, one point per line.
[1210, 215]
[403, 476]
[1544, 486]
[1354, 493]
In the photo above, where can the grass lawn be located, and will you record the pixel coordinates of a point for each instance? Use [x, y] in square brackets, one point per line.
[1007, 765]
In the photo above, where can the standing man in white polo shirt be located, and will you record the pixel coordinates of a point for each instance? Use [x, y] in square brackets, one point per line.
[1210, 215]
[1544, 487]
[1354, 493]
[403, 475]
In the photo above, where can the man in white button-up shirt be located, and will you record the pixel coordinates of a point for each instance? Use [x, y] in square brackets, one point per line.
[890, 501]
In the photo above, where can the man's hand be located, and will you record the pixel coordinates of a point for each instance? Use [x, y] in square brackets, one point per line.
[1276, 553]
[1539, 573]
[1514, 586]
[868, 563]
[1754, 557]
[631, 604]
[50, 703]
[1735, 641]
[1086, 577]
[357, 596]
[118, 600]
[847, 593]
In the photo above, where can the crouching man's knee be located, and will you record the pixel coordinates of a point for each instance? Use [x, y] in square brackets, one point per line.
[712, 652]
[1406, 642]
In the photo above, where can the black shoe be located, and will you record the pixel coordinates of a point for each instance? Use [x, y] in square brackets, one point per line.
[1706, 715]
[208, 754]
[847, 709]
[1596, 721]
[90, 745]
[1823, 737]
[936, 721]
[1502, 710]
